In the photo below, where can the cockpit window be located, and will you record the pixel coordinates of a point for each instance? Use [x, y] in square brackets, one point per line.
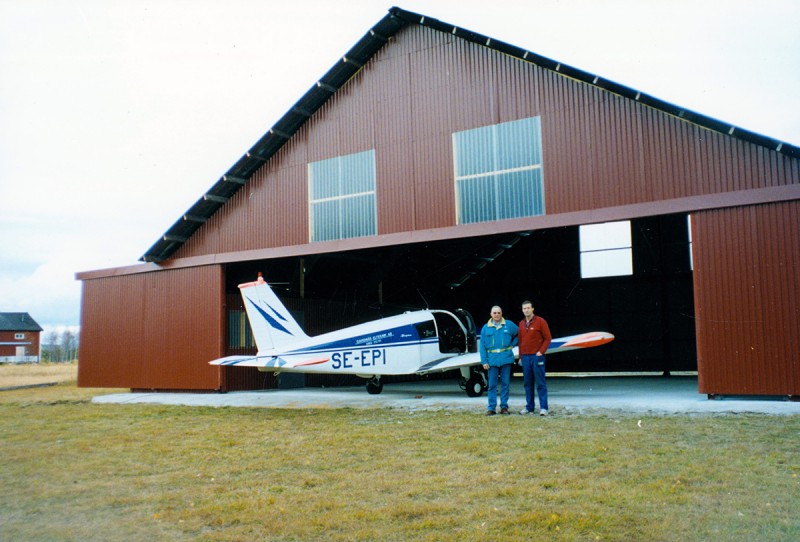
[426, 329]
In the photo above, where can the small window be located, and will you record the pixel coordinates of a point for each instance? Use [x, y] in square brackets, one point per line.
[341, 194]
[19, 336]
[606, 249]
[498, 171]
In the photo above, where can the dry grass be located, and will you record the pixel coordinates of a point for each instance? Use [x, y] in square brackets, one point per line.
[73, 470]
[13, 375]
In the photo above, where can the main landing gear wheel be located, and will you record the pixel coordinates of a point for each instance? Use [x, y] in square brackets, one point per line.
[475, 385]
[374, 385]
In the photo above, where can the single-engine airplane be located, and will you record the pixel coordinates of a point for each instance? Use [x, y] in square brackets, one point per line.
[418, 342]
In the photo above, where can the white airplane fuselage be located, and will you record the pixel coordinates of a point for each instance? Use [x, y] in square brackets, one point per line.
[394, 345]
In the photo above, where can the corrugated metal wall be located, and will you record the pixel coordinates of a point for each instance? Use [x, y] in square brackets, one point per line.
[135, 326]
[600, 150]
[747, 299]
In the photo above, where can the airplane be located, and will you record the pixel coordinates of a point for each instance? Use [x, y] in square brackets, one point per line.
[417, 342]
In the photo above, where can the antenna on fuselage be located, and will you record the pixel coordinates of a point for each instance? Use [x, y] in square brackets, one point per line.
[423, 299]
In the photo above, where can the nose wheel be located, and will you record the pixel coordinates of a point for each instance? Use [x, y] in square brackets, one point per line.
[374, 385]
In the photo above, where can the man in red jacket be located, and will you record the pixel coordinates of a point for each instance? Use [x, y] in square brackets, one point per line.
[534, 339]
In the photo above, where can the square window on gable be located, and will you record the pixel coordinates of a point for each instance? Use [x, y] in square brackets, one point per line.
[498, 171]
[341, 197]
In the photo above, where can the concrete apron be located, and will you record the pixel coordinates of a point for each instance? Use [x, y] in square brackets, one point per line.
[635, 395]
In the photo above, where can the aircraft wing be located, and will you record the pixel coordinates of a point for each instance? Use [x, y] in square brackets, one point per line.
[452, 362]
[561, 344]
[582, 340]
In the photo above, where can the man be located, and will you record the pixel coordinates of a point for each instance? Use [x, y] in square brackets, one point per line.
[534, 339]
[498, 337]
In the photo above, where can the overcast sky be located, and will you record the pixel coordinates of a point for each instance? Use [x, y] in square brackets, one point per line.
[116, 115]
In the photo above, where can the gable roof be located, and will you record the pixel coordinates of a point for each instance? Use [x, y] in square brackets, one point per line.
[239, 174]
[18, 321]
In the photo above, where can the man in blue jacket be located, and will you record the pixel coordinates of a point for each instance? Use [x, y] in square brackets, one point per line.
[498, 337]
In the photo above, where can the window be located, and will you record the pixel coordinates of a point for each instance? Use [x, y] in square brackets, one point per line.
[341, 195]
[498, 171]
[19, 336]
[606, 249]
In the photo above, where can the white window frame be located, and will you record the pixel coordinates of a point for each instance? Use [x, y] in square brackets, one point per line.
[491, 175]
[606, 249]
[342, 196]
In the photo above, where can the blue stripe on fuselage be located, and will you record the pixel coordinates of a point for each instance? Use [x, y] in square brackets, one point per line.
[327, 348]
[399, 336]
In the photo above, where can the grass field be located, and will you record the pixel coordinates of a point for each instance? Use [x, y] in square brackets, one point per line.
[13, 375]
[74, 470]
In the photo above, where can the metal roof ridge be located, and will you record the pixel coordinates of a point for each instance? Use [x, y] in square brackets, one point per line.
[341, 72]
[350, 63]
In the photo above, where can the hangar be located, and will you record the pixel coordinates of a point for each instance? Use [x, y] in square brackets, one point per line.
[435, 166]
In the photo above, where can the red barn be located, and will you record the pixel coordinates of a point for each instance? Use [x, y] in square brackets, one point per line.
[20, 338]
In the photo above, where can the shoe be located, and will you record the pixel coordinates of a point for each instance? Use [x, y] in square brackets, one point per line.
[525, 412]
[542, 413]
[504, 411]
[490, 412]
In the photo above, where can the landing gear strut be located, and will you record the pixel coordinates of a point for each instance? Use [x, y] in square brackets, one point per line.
[374, 385]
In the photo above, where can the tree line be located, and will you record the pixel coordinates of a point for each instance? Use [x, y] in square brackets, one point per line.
[60, 347]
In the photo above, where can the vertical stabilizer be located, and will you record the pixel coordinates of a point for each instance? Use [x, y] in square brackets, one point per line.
[271, 322]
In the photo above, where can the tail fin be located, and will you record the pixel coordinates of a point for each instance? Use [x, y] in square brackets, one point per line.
[271, 322]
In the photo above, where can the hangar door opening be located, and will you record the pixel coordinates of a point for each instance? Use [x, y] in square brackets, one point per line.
[650, 310]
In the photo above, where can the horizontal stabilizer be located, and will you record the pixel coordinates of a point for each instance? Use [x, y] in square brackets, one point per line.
[243, 361]
[270, 362]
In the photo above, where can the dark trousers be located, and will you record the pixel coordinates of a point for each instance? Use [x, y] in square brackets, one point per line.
[533, 372]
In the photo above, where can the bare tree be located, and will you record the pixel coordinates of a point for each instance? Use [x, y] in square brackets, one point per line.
[69, 345]
[60, 347]
[51, 347]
